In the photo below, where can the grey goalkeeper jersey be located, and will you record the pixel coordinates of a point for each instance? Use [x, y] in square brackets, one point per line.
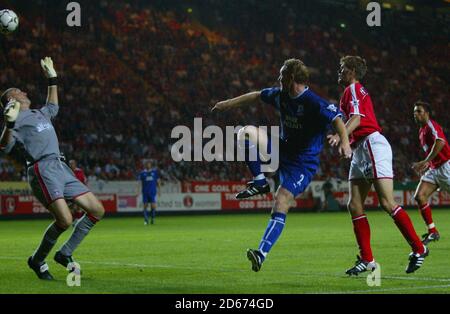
[34, 130]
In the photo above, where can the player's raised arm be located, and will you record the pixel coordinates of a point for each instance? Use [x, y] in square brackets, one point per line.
[50, 73]
[251, 98]
[10, 115]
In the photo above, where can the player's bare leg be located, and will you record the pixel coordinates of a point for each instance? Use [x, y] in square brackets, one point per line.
[63, 220]
[358, 192]
[423, 192]
[385, 188]
[94, 212]
[283, 201]
[254, 138]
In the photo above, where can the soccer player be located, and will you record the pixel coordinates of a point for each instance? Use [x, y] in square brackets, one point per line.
[371, 164]
[151, 185]
[435, 168]
[51, 180]
[304, 119]
[79, 174]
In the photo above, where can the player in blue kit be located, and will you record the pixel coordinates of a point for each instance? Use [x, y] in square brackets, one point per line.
[150, 182]
[305, 118]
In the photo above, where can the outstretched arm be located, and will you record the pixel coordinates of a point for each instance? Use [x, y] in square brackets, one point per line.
[243, 100]
[50, 73]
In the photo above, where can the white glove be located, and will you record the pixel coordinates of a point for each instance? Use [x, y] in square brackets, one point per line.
[47, 66]
[11, 110]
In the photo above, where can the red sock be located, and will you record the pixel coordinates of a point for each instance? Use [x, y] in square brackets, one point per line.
[362, 233]
[78, 214]
[406, 227]
[425, 211]
[92, 218]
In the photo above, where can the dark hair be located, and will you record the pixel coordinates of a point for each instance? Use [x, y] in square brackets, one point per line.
[426, 106]
[355, 63]
[298, 69]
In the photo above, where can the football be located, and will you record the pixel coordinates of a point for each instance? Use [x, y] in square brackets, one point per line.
[8, 21]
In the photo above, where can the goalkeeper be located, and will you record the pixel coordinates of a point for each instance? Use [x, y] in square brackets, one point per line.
[51, 180]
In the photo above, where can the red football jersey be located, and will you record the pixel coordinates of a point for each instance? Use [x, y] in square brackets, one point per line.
[427, 136]
[79, 173]
[356, 100]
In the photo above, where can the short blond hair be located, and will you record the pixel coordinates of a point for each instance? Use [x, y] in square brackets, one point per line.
[298, 69]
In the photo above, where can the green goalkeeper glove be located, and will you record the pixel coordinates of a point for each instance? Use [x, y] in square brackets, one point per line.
[47, 66]
[11, 112]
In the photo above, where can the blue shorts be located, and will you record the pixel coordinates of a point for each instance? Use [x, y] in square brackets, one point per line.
[295, 170]
[296, 173]
[148, 198]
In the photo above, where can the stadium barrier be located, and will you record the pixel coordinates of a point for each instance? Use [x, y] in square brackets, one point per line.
[125, 197]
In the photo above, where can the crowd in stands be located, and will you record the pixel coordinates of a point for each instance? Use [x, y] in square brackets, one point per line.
[135, 70]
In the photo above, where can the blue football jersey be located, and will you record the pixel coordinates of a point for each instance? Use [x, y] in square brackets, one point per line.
[149, 179]
[304, 120]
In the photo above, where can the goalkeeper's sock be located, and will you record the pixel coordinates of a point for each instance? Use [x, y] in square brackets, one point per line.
[48, 242]
[80, 231]
[272, 233]
[253, 162]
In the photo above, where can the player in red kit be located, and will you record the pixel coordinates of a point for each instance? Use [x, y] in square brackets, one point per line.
[77, 212]
[371, 165]
[435, 168]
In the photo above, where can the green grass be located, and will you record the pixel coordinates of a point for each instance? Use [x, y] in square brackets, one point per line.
[206, 254]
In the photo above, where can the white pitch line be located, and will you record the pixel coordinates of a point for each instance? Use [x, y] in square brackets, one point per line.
[119, 264]
[387, 290]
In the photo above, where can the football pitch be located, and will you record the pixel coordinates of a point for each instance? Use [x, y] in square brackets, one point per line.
[207, 254]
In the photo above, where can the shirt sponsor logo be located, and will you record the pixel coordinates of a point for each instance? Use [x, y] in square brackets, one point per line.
[43, 126]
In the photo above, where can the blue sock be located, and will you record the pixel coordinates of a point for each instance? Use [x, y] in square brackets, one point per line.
[146, 215]
[273, 231]
[251, 150]
[152, 213]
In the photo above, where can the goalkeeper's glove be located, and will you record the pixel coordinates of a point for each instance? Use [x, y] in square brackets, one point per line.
[11, 112]
[47, 66]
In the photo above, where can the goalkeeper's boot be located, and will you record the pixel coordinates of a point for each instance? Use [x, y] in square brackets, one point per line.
[361, 266]
[252, 190]
[40, 269]
[416, 260]
[256, 257]
[430, 237]
[67, 262]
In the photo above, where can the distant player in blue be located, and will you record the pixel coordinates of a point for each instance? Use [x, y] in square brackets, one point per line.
[150, 183]
[305, 118]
